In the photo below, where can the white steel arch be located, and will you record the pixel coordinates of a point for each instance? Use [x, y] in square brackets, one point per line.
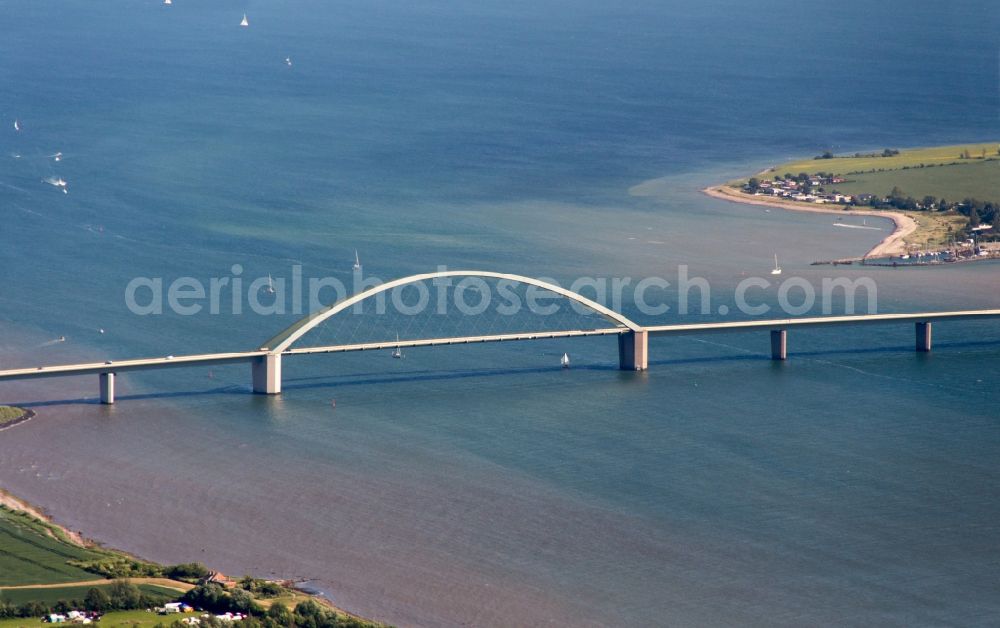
[289, 336]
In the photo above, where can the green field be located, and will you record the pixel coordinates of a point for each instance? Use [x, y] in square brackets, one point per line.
[68, 593]
[910, 157]
[979, 180]
[32, 552]
[10, 412]
[114, 619]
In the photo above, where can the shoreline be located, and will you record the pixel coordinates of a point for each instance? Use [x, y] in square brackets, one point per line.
[17, 504]
[27, 416]
[889, 246]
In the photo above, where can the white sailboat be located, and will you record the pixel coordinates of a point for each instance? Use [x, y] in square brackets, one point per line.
[17, 126]
[565, 361]
[288, 61]
[270, 284]
[397, 353]
[357, 260]
[168, 1]
[777, 269]
[245, 22]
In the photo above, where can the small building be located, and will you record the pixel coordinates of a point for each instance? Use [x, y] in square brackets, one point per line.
[56, 618]
[172, 607]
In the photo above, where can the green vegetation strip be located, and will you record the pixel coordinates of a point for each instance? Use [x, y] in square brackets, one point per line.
[979, 180]
[10, 412]
[35, 553]
[32, 552]
[50, 597]
[896, 160]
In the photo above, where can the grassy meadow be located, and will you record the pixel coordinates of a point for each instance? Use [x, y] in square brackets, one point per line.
[32, 552]
[909, 158]
[51, 595]
[10, 412]
[114, 619]
[939, 171]
[979, 179]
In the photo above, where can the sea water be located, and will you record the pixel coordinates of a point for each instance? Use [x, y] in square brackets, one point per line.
[484, 485]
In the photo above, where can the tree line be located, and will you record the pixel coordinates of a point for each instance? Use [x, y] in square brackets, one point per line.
[120, 595]
[308, 613]
[978, 212]
[127, 567]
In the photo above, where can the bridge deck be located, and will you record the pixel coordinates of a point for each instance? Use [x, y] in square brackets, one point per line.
[460, 340]
[818, 321]
[123, 366]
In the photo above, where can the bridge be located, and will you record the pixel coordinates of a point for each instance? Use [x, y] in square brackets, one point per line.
[633, 339]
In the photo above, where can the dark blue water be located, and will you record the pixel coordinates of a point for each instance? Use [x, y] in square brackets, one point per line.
[855, 484]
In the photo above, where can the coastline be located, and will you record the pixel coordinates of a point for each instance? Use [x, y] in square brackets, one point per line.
[17, 504]
[13, 502]
[27, 416]
[892, 244]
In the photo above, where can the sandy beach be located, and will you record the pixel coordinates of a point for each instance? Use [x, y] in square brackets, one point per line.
[893, 244]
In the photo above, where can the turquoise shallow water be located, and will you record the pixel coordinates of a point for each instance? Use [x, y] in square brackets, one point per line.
[855, 484]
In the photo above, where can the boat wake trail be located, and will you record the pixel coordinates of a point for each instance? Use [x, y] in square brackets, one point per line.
[845, 226]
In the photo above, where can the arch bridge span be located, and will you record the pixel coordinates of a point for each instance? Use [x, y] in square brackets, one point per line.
[632, 338]
[284, 340]
[267, 368]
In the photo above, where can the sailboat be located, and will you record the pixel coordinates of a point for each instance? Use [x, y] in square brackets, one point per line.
[288, 61]
[270, 284]
[245, 22]
[168, 1]
[397, 353]
[357, 260]
[17, 126]
[777, 269]
[565, 361]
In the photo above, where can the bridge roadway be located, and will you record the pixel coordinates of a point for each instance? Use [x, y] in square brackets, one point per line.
[632, 341]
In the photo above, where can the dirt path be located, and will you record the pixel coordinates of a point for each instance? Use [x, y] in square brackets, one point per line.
[166, 583]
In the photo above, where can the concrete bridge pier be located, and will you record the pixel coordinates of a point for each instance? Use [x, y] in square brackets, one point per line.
[779, 344]
[923, 337]
[633, 351]
[267, 374]
[107, 385]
